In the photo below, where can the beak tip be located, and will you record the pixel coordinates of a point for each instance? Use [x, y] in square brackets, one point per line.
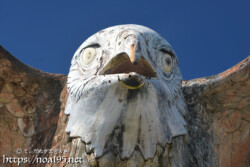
[134, 62]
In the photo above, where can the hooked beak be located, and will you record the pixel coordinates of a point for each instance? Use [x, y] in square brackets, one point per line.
[122, 64]
[130, 61]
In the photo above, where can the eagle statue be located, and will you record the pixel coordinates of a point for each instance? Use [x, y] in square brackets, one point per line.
[123, 104]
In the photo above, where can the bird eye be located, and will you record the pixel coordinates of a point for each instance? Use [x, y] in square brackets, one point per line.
[167, 62]
[87, 56]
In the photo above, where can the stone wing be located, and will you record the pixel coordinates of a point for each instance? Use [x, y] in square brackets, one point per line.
[219, 117]
[30, 107]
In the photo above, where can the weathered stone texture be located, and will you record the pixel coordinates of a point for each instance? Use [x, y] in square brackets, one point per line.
[29, 107]
[218, 120]
[32, 116]
[164, 156]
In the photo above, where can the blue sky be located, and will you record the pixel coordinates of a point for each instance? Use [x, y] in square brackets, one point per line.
[208, 36]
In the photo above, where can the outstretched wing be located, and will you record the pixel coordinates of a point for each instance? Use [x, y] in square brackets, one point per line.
[219, 117]
[29, 107]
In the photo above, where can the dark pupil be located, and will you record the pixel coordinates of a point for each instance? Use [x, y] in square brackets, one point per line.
[168, 61]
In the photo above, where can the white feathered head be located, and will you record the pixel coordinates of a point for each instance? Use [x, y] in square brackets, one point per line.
[124, 89]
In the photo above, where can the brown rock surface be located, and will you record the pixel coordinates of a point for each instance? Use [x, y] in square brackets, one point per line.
[29, 108]
[218, 120]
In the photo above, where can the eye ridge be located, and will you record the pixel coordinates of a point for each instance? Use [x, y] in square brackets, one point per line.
[163, 50]
[94, 45]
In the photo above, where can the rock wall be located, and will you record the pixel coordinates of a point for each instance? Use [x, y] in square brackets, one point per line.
[29, 108]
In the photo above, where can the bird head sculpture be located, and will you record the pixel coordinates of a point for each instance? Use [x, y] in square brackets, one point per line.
[124, 89]
[126, 107]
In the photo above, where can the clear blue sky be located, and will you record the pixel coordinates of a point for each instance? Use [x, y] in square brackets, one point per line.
[208, 36]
